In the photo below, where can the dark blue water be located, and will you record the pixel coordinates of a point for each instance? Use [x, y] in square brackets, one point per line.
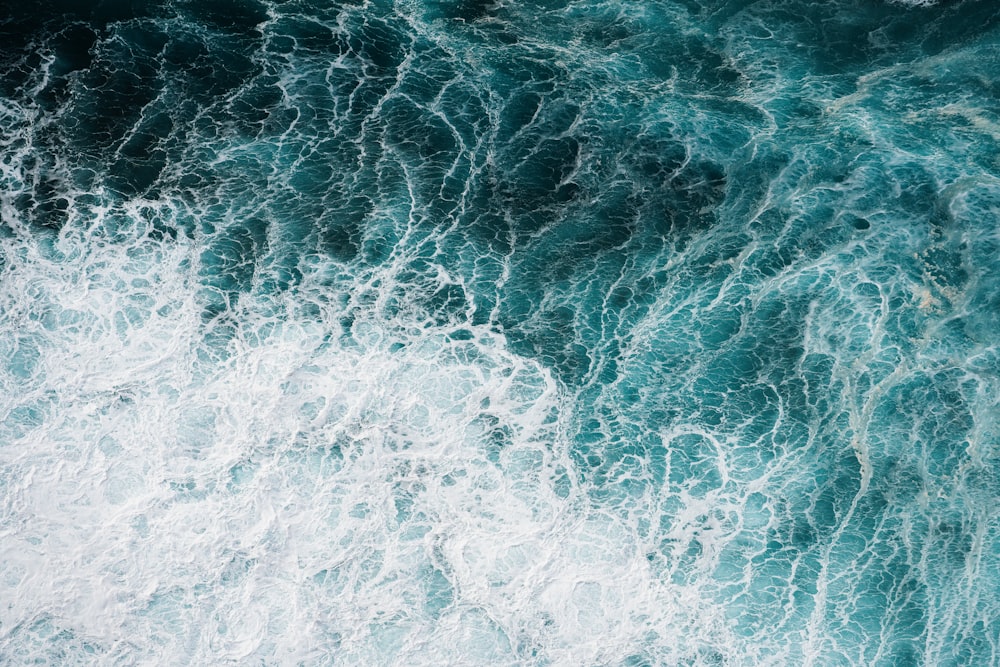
[538, 333]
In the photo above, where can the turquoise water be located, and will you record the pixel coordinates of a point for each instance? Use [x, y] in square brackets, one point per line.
[470, 333]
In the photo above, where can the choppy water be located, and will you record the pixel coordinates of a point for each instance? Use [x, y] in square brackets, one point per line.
[467, 333]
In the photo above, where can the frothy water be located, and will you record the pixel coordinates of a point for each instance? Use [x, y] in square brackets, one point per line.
[477, 333]
[296, 492]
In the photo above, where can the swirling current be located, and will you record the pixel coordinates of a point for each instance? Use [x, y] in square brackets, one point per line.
[547, 332]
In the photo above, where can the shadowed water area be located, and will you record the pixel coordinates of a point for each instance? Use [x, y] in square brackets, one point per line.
[536, 333]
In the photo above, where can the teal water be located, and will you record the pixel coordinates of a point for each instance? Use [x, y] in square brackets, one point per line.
[468, 333]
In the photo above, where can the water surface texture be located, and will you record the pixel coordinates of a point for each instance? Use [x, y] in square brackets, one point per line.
[550, 332]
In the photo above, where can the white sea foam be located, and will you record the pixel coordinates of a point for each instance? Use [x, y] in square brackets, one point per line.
[294, 493]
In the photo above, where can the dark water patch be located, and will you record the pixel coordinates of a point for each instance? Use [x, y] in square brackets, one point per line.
[380, 44]
[306, 33]
[45, 206]
[469, 12]
[206, 67]
[241, 19]
[116, 89]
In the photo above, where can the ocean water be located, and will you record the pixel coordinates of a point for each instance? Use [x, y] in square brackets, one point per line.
[551, 332]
